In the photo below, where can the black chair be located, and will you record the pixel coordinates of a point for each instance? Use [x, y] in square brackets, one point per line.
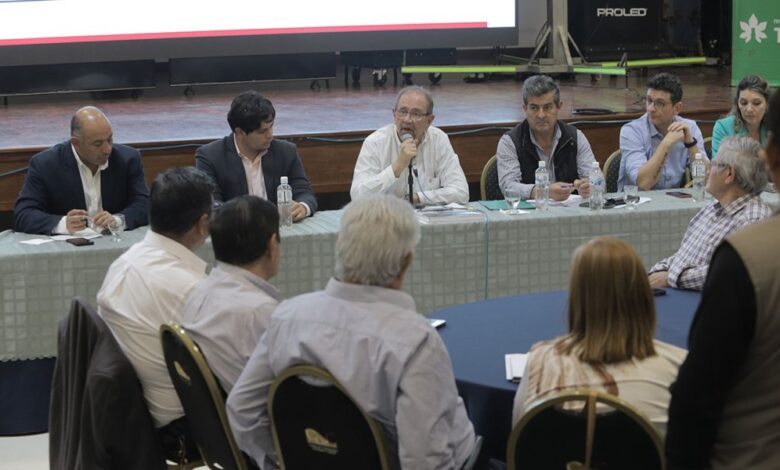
[614, 435]
[202, 399]
[320, 426]
[612, 171]
[489, 189]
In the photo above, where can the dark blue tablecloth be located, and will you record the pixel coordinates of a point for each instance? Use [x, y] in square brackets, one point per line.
[478, 335]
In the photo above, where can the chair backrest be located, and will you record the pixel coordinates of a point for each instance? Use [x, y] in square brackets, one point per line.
[202, 399]
[552, 435]
[488, 182]
[612, 171]
[316, 424]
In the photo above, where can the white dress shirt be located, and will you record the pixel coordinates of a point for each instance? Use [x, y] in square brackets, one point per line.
[439, 177]
[92, 191]
[392, 362]
[226, 314]
[144, 288]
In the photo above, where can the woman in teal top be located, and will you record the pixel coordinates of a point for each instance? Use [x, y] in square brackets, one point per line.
[747, 114]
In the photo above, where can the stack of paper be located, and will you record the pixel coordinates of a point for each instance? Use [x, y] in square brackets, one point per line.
[515, 366]
[448, 214]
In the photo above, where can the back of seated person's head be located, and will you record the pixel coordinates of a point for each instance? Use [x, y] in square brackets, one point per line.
[611, 306]
[249, 111]
[743, 155]
[377, 235]
[179, 197]
[668, 83]
[241, 229]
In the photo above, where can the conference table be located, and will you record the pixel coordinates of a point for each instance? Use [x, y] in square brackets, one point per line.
[479, 334]
[455, 263]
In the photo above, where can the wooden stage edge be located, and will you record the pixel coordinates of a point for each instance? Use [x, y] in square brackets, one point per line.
[330, 159]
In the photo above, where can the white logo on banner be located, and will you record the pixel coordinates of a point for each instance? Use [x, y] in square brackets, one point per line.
[752, 26]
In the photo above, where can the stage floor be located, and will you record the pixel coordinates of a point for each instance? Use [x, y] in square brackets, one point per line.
[165, 115]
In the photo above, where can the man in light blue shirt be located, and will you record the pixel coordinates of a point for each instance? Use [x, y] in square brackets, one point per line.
[227, 312]
[366, 332]
[657, 147]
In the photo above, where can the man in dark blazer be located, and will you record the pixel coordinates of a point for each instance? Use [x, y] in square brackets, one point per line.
[87, 176]
[251, 161]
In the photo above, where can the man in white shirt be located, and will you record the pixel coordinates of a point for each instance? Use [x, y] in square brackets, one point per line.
[228, 312]
[148, 285]
[85, 179]
[383, 164]
[366, 331]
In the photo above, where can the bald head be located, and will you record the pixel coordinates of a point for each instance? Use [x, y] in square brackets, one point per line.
[92, 136]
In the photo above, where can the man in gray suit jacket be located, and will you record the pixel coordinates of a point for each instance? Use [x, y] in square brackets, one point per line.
[251, 161]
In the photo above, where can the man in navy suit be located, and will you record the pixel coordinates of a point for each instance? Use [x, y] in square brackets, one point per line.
[86, 177]
[251, 161]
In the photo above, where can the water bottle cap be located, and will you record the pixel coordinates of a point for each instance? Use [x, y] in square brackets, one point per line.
[542, 164]
[698, 156]
[284, 180]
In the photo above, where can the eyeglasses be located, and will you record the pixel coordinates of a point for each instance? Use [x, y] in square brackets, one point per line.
[413, 115]
[659, 104]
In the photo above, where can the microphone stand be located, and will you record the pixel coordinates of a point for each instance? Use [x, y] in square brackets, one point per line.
[411, 185]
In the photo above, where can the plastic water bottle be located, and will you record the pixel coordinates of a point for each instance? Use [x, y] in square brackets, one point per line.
[284, 203]
[699, 174]
[543, 185]
[597, 188]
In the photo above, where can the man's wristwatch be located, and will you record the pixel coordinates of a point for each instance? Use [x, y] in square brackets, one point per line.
[691, 144]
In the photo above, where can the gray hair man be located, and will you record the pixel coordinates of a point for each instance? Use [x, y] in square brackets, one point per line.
[737, 177]
[724, 411]
[367, 333]
[388, 154]
[542, 137]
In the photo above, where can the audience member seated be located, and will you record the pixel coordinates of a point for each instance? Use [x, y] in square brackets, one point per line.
[725, 411]
[657, 147]
[88, 178]
[737, 177]
[367, 332]
[251, 161]
[383, 164]
[148, 286]
[228, 312]
[542, 137]
[747, 113]
[610, 345]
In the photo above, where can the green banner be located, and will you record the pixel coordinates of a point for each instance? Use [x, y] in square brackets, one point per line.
[755, 42]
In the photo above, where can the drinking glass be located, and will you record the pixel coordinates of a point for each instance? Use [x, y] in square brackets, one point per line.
[513, 198]
[116, 227]
[631, 196]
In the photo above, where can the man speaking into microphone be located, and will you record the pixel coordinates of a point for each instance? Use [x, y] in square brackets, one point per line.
[410, 146]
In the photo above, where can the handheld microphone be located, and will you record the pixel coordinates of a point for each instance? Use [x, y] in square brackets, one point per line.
[406, 136]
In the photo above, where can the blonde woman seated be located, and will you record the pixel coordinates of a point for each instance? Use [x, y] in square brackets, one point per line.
[610, 345]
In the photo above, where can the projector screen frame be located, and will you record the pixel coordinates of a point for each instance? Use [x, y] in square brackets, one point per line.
[161, 50]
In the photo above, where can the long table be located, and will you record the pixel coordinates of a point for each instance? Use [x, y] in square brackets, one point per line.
[454, 263]
[479, 334]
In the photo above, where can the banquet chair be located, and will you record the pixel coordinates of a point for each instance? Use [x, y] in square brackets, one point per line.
[584, 429]
[489, 189]
[612, 171]
[202, 398]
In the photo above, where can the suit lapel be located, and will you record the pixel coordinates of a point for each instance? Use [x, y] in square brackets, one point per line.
[72, 179]
[269, 171]
[235, 166]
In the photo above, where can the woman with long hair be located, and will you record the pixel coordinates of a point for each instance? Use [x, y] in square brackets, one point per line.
[610, 345]
[747, 114]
